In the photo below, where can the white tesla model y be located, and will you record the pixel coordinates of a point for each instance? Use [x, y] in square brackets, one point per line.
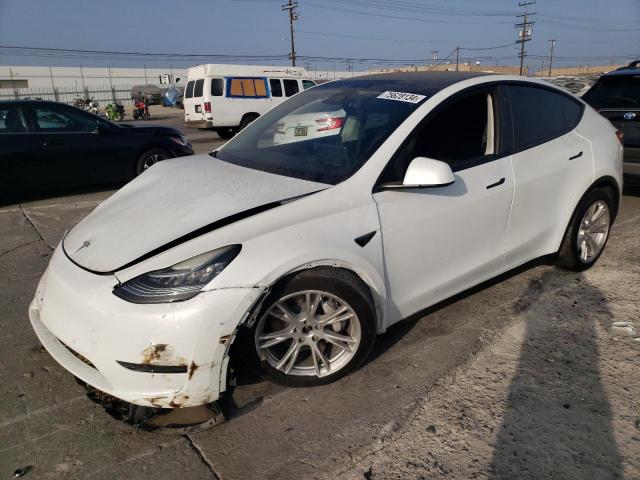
[434, 183]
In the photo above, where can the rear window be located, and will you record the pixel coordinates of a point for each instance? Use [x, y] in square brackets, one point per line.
[216, 87]
[198, 88]
[188, 92]
[247, 87]
[291, 87]
[276, 87]
[615, 91]
[540, 115]
[11, 120]
[307, 84]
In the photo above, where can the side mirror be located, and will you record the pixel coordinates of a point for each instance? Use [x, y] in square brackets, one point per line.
[427, 172]
[101, 128]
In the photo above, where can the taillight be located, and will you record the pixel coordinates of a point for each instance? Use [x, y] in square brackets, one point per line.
[620, 136]
[207, 107]
[329, 123]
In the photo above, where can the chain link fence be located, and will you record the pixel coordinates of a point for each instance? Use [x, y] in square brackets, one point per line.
[103, 94]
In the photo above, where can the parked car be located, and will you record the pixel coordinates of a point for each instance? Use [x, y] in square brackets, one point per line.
[150, 94]
[307, 250]
[48, 146]
[227, 98]
[616, 95]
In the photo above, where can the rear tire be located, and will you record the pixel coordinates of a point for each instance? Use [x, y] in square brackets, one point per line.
[246, 120]
[151, 157]
[588, 232]
[321, 349]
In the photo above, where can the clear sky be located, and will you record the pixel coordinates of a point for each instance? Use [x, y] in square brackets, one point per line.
[587, 31]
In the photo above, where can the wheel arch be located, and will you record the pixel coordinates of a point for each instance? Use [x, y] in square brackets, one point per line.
[249, 114]
[376, 296]
[605, 181]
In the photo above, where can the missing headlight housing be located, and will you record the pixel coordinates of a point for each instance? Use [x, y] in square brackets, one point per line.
[180, 282]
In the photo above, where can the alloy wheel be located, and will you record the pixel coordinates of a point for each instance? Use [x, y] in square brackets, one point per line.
[593, 231]
[308, 333]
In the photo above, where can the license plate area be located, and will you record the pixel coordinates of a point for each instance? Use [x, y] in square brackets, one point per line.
[198, 108]
[300, 132]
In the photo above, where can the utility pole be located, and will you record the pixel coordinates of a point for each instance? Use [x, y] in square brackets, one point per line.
[457, 58]
[553, 44]
[290, 7]
[525, 32]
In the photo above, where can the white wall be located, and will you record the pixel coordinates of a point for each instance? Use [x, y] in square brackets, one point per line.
[40, 77]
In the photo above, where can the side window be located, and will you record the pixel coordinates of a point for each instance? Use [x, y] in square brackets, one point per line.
[291, 87]
[461, 134]
[247, 87]
[56, 120]
[276, 87]
[11, 120]
[198, 87]
[307, 84]
[188, 92]
[217, 86]
[540, 115]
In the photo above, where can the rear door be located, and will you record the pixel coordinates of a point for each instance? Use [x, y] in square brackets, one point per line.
[553, 167]
[188, 103]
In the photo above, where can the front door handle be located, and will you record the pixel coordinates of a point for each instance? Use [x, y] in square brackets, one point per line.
[51, 143]
[577, 155]
[498, 183]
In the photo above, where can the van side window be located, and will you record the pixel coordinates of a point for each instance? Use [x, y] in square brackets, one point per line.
[188, 92]
[247, 87]
[291, 87]
[307, 84]
[216, 87]
[276, 87]
[198, 88]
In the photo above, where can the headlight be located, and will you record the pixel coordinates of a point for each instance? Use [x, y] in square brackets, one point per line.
[181, 140]
[180, 282]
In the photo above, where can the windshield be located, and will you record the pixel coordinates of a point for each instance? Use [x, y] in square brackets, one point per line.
[615, 91]
[324, 134]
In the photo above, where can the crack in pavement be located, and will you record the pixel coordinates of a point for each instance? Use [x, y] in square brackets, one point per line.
[198, 451]
[18, 247]
[33, 225]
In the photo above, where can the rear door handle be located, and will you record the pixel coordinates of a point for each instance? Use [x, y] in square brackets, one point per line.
[497, 184]
[578, 155]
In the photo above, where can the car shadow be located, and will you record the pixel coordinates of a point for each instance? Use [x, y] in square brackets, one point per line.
[52, 195]
[632, 189]
[396, 332]
[558, 420]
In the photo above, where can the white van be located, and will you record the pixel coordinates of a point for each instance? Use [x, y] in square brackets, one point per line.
[227, 98]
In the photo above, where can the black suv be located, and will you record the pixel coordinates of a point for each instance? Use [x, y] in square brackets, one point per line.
[49, 147]
[616, 95]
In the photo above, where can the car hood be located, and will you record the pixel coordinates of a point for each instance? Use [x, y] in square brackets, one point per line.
[171, 202]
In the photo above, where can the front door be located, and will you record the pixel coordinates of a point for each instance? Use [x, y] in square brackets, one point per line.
[440, 241]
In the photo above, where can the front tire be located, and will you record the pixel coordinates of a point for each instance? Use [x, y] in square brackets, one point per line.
[588, 231]
[225, 133]
[314, 327]
[149, 158]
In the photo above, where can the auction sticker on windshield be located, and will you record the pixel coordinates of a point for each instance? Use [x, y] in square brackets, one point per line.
[402, 97]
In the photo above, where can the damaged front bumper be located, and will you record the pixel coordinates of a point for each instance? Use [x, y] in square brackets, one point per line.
[161, 355]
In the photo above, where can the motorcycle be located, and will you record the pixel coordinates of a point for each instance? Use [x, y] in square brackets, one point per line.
[82, 103]
[140, 110]
[94, 107]
[115, 112]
